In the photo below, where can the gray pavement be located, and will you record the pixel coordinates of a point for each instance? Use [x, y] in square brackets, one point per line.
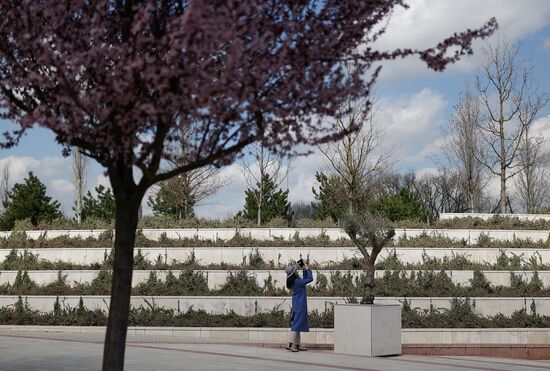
[65, 351]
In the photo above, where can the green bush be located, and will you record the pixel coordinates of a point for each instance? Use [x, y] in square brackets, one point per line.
[401, 206]
[28, 200]
[417, 220]
[460, 315]
[394, 283]
[20, 240]
[188, 283]
[25, 260]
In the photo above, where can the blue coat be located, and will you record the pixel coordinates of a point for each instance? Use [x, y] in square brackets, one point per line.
[298, 319]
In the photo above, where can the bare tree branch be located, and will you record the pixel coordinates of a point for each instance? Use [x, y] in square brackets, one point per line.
[510, 104]
[358, 159]
[464, 154]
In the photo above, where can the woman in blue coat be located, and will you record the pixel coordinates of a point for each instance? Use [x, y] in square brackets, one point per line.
[298, 318]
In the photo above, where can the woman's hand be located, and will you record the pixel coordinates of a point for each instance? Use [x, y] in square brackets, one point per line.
[305, 266]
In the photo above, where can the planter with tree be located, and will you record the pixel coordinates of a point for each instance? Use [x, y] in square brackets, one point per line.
[367, 328]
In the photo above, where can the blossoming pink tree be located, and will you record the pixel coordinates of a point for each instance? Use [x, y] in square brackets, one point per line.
[118, 79]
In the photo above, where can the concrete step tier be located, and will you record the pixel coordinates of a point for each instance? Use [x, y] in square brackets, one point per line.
[487, 216]
[281, 255]
[217, 278]
[324, 336]
[525, 343]
[468, 235]
[249, 305]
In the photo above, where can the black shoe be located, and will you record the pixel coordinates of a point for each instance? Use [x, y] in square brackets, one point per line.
[292, 347]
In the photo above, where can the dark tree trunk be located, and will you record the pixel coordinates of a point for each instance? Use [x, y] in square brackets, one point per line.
[128, 201]
[368, 296]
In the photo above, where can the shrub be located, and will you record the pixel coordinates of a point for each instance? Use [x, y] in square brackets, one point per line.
[167, 222]
[460, 315]
[240, 284]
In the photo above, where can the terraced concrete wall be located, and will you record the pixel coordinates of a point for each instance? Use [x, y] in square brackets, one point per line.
[468, 235]
[251, 305]
[279, 255]
[216, 278]
[486, 216]
[512, 336]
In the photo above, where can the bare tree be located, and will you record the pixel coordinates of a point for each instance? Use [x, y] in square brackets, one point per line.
[5, 183]
[464, 152]
[264, 165]
[532, 182]
[301, 210]
[179, 195]
[505, 88]
[80, 175]
[358, 159]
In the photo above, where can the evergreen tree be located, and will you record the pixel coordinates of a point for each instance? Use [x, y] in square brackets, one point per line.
[332, 200]
[29, 200]
[273, 203]
[400, 206]
[102, 206]
[175, 197]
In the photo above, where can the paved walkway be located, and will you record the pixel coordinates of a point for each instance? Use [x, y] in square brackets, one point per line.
[65, 351]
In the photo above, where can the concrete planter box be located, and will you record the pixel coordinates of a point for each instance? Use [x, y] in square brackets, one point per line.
[367, 330]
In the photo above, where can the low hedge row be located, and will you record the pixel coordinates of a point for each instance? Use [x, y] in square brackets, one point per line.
[20, 240]
[26, 260]
[496, 222]
[460, 315]
[346, 285]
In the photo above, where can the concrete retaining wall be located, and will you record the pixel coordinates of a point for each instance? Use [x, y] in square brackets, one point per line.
[279, 255]
[249, 305]
[216, 278]
[486, 216]
[468, 235]
[436, 336]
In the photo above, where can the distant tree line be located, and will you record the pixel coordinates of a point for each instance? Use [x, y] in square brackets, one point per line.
[490, 135]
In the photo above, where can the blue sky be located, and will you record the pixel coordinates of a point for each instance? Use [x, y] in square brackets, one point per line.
[415, 103]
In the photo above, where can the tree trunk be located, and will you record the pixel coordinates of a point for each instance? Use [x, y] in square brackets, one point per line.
[503, 159]
[259, 213]
[128, 201]
[78, 208]
[368, 297]
[80, 168]
[503, 196]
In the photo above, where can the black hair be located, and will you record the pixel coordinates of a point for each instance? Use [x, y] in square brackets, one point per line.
[290, 281]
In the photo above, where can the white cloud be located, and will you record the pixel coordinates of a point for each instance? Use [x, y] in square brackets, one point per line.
[103, 180]
[19, 166]
[62, 185]
[426, 171]
[302, 176]
[412, 124]
[54, 171]
[228, 200]
[45, 168]
[427, 22]
[541, 127]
